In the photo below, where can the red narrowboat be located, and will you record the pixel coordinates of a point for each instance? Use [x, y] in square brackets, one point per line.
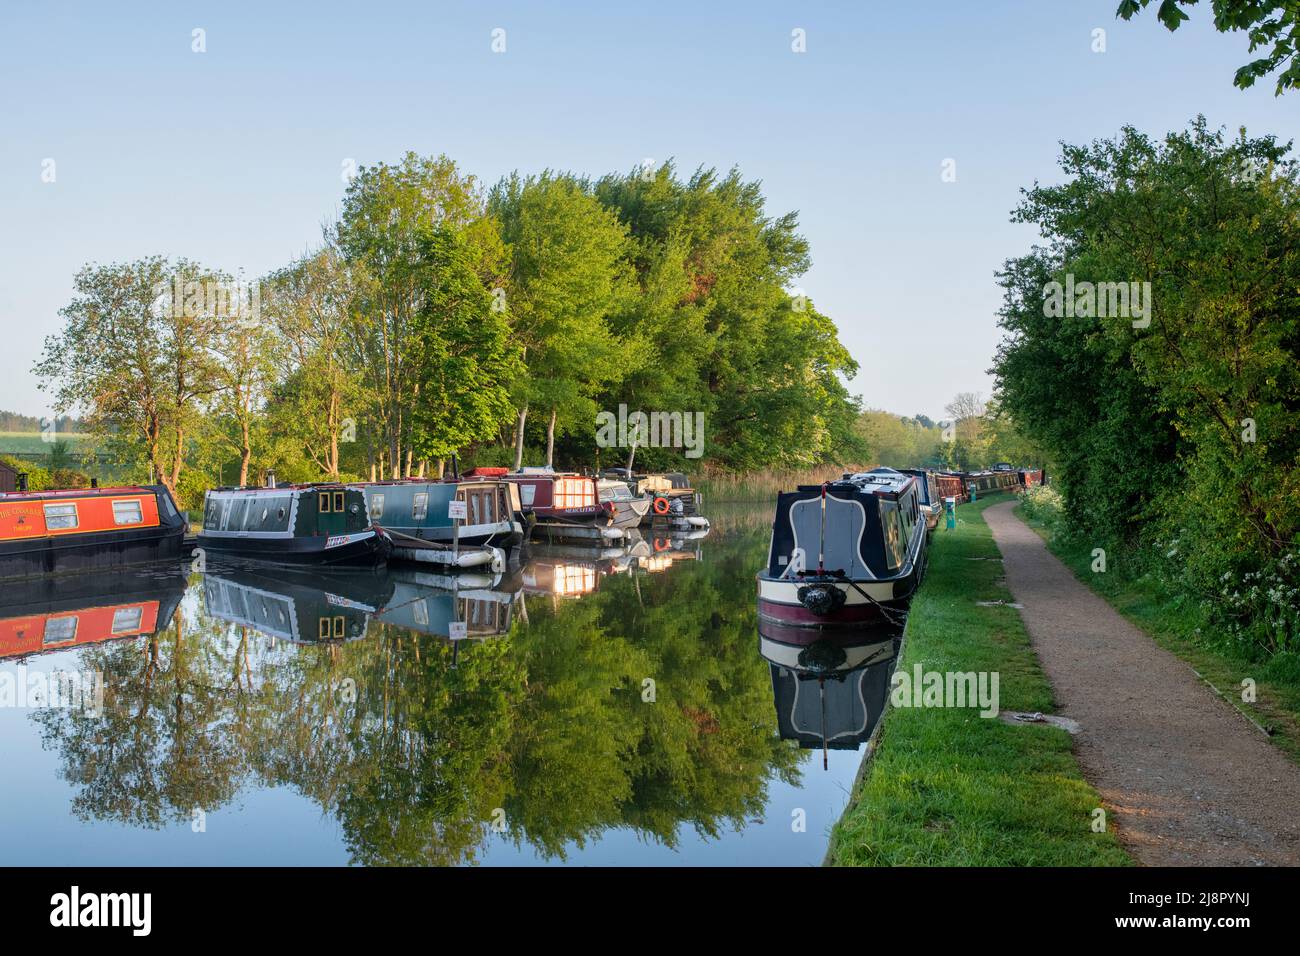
[91, 529]
[565, 505]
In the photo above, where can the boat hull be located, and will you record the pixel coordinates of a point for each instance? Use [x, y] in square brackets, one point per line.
[95, 551]
[863, 602]
[366, 548]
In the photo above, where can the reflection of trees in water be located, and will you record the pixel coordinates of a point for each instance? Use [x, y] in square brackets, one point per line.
[548, 722]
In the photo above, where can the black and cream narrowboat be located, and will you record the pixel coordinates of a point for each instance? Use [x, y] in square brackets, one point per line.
[850, 551]
[90, 529]
[293, 524]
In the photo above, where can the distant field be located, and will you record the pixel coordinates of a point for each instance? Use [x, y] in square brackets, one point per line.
[30, 443]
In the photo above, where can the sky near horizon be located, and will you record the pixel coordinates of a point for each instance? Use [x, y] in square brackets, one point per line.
[235, 156]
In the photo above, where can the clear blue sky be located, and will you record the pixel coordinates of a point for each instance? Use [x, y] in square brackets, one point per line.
[233, 156]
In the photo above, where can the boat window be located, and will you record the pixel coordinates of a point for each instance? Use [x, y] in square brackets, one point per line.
[420, 507]
[211, 511]
[892, 532]
[127, 620]
[340, 626]
[127, 512]
[325, 502]
[60, 517]
[60, 630]
[573, 493]
[323, 629]
[376, 506]
[338, 501]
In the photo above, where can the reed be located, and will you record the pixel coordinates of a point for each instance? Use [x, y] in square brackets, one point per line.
[756, 486]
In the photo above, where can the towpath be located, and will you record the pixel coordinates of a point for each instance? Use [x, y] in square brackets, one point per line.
[1185, 778]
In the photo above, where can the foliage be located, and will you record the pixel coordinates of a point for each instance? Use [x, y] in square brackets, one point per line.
[1273, 25]
[1179, 425]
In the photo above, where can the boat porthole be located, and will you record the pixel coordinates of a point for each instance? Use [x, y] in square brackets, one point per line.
[280, 514]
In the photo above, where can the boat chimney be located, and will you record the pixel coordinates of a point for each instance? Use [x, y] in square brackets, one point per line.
[270, 478]
[455, 468]
[94, 483]
[22, 481]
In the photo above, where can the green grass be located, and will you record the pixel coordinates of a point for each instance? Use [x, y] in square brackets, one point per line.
[31, 443]
[946, 787]
[1179, 626]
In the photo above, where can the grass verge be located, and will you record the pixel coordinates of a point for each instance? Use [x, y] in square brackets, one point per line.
[946, 787]
[1179, 627]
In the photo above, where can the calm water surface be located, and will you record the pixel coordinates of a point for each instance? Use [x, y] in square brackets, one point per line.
[585, 707]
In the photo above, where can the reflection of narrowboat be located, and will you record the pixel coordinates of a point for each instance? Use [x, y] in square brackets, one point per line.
[849, 551]
[38, 617]
[452, 606]
[294, 605]
[565, 506]
[53, 532]
[421, 509]
[930, 501]
[293, 524]
[837, 710]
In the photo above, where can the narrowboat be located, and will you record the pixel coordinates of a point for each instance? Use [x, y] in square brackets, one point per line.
[849, 551]
[565, 506]
[1030, 477]
[422, 509]
[293, 524]
[930, 500]
[42, 616]
[951, 486]
[90, 529]
[628, 510]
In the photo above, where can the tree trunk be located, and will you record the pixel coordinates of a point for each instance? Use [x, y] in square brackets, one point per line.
[176, 463]
[408, 461]
[519, 437]
[550, 441]
[245, 453]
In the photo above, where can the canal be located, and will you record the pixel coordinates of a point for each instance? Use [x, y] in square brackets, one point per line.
[582, 708]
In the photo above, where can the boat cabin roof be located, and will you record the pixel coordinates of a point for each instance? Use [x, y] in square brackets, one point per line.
[55, 494]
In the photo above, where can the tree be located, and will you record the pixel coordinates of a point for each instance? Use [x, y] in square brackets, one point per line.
[1171, 409]
[468, 358]
[317, 349]
[1265, 22]
[387, 212]
[133, 355]
[568, 273]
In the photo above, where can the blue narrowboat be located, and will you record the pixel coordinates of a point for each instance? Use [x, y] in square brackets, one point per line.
[422, 509]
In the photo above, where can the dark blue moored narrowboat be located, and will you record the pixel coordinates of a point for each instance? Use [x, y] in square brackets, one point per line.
[89, 529]
[293, 524]
[850, 551]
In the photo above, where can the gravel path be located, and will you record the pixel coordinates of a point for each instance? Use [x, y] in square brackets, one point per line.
[1185, 778]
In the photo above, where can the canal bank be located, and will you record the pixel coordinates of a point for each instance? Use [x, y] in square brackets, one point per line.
[946, 786]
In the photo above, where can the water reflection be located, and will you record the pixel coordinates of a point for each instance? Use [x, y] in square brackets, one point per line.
[829, 685]
[539, 714]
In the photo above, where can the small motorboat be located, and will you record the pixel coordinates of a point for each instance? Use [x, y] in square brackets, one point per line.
[626, 509]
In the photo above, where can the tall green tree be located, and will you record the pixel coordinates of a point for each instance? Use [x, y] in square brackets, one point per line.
[134, 354]
[568, 274]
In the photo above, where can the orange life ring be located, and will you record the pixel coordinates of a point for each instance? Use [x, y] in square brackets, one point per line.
[664, 509]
